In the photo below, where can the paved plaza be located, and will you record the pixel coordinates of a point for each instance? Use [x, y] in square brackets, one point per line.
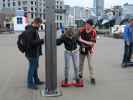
[113, 82]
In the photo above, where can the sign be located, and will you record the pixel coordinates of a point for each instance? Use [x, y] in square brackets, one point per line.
[19, 12]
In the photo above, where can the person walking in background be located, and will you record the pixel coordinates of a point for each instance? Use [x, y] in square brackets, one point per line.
[87, 41]
[71, 51]
[32, 52]
[128, 41]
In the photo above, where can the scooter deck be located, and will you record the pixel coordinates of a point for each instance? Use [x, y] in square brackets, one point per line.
[70, 84]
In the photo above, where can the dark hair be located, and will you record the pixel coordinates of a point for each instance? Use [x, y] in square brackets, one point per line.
[90, 21]
[37, 20]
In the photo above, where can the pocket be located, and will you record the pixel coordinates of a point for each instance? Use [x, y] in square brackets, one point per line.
[83, 50]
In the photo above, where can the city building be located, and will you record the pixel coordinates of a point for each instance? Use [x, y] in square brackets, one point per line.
[117, 10]
[76, 14]
[6, 21]
[99, 7]
[34, 8]
[127, 10]
[60, 13]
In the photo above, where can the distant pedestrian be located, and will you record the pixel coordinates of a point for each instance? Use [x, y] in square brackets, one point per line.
[128, 42]
[87, 42]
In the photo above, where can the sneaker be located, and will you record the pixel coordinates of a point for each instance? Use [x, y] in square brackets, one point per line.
[93, 81]
[80, 76]
[33, 87]
[123, 65]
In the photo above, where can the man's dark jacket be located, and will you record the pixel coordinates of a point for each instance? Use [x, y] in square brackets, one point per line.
[34, 43]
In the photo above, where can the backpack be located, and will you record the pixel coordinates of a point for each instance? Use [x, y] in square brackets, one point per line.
[21, 42]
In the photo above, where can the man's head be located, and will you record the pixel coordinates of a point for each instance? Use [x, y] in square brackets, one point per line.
[37, 22]
[130, 20]
[89, 24]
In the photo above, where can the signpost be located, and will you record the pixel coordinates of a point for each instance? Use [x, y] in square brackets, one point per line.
[51, 88]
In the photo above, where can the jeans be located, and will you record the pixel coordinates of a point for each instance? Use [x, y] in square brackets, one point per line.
[75, 59]
[127, 53]
[32, 77]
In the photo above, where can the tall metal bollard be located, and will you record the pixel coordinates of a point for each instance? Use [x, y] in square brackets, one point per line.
[51, 88]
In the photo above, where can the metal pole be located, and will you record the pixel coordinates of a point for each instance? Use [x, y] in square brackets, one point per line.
[51, 88]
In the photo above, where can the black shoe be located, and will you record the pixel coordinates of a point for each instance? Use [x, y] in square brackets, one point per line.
[33, 87]
[123, 65]
[66, 80]
[93, 81]
[39, 83]
[80, 76]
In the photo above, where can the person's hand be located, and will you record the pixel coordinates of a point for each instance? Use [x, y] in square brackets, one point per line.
[91, 44]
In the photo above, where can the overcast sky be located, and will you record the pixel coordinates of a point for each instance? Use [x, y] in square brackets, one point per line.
[89, 3]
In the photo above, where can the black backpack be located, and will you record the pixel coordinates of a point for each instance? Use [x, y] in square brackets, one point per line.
[21, 42]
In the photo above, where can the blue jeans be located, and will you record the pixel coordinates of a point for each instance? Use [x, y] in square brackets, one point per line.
[32, 77]
[75, 59]
[127, 53]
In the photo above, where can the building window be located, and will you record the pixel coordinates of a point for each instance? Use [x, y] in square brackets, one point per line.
[25, 8]
[8, 4]
[24, 2]
[4, 5]
[32, 16]
[61, 18]
[35, 9]
[19, 3]
[3, 0]
[43, 10]
[14, 3]
[32, 2]
[35, 3]
[19, 20]
[31, 8]
[57, 17]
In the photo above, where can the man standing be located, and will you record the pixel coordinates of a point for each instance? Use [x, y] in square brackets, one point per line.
[32, 52]
[87, 41]
[128, 39]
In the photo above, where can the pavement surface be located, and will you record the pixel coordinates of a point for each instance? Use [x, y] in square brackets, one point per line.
[113, 82]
